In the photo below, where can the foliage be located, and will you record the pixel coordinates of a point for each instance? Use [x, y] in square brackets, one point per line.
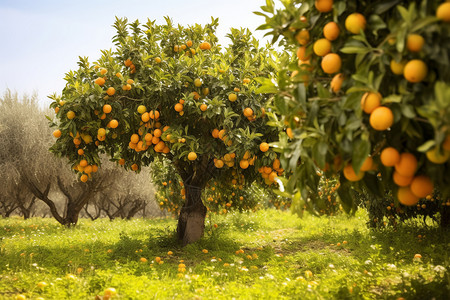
[266, 255]
[329, 127]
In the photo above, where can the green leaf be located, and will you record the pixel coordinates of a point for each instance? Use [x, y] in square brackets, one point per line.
[353, 50]
[426, 146]
[361, 150]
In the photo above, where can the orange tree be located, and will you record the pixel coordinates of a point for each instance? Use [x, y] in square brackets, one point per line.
[364, 92]
[173, 92]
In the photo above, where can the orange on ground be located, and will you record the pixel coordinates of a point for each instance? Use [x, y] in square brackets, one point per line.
[407, 164]
[415, 71]
[331, 63]
[422, 186]
[370, 101]
[389, 156]
[406, 197]
[381, 118]
[331, 31]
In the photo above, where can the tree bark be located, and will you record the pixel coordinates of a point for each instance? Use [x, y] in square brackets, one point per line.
[191, 221]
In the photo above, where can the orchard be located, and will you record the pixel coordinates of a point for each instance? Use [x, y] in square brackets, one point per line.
[173, 93]
[363, 90]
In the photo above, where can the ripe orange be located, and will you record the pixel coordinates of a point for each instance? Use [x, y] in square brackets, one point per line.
[244, 164]
[302, 37]
[198, 82]
[415, 42]
[289, 133]
[57, 133]
[401, 180]
[322, 47]
[407, 164]
[100, 81]
[434, 156]
[367, 164]
[83, 163]
[107, 108]
[145, 117]
[205, 46]
[219, 163]
[443, 12]
[84, 178]
[134, 138]
[381, 118]
[192, 156]
[103, 71]
[158, 60]
[370, 101]
[113, 123]
[301, 53]
[126, 87]
[397, 67]
[189, 43]
[331, 31]
[415, 70]
[128, 63]
[422, 186]
[203, 107]
[331, 63]
[264, 147]
[248, 112]
[246, 80]
[215, 133]
[80, 151]
[324, 5]
[350, 174]
[406, 197]
[130, 81]
[178, 107]
[70, 115]
[355, 23]
[232, 97]
[336, 82]
[111, 91]
[122, 161]
[389, 156]
[157, 132]
[134, 167]
[446, 143]
[88, 169]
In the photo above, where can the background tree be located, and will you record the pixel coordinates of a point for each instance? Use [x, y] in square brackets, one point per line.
[363, 90]
[171, 91]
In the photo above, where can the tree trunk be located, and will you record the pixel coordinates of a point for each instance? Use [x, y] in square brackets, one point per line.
[191, 221]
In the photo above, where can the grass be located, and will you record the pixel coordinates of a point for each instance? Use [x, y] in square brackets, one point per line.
[265, 255]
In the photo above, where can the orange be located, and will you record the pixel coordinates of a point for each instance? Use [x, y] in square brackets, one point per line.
[84, 178]
[324, 5]
[248, 112]
[355, 23]
[80, 151]
[83, 163]
[178, 107]
[350, 174]
[141, 109]
[272, 176]
[134, 138]
[406, 197]
[232, 97]
[215, 133]
[415, 71]
[301, 53]
[145, 117]
[367, 164]
[401, 180]
[302, 37]
[103, 71]
[122, 161]
[397, 67]
[157, 133]
[198, 82]
[113, 123]
[336, 82]
[100, 81]
[107, 108]
[158, 60]
[205, 46]
[331, 31]
[415, 42]
[407, 164]
[189, 43]
[70, 115]
[264, 147]
[192, 156]
[381, 118]
[111, 91]
[134, 167]
[331, 63]
[126, 87]
[289, 133]
[370, 101]
[128, 63]
[422, 186]
[148, 137]
[205, 91]
[130, 81]
[322, 47]
[195, 95]
[389, 156]
[436, 157]
[246, 80]
[88, 169]
[57, 133]
[203, 107]
[443, 12]
[219, 163]
[154, 114]
[244, 164]
[446, 143]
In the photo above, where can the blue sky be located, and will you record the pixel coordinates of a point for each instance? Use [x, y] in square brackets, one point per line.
[42, 39]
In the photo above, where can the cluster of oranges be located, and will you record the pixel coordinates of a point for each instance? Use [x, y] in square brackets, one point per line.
[270, 173]
[188, 48]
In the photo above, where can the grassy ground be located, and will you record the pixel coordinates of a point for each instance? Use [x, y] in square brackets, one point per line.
[265, 255]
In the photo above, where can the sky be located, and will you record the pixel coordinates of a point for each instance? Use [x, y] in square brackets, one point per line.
[41, 40]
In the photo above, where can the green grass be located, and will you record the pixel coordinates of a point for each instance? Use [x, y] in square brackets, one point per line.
[283, 257]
